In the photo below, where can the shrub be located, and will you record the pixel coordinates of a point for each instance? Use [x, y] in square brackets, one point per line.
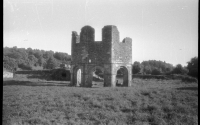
[149, 76]
[156, 72]
[184, 78]
[136, 67]
[180, 70]
[51, 63]
[61, 74]
[189, 79]
[25, 66]
[193, 67]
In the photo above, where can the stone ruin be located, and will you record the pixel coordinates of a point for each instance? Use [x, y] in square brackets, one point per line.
[109, 55]
[7, 74]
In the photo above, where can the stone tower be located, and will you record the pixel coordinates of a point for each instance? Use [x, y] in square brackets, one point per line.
[108, 55]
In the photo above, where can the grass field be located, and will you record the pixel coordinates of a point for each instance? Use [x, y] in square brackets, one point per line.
[147, 102]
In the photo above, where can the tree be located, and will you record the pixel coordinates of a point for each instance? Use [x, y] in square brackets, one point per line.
[29, 51]
[147, 69]
[25, 66]
[23, 53]
[33, 60]
[38, 54]
[193, 67]
[148, 66]
[179, 70]
[51, 63]
[156, 71]
[9, 63]
[48, 54]
[136, 67]
[41, 61]
[59, 56]
[27, 58]
[15, 55]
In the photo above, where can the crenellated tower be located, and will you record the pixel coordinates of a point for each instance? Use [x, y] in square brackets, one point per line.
[108, 55]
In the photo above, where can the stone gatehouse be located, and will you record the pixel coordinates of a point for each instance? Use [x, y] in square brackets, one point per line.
[108, 55]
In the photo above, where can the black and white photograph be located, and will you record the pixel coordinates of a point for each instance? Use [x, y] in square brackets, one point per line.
[100, 62]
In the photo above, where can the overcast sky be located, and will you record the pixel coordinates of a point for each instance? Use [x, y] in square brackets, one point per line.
[165, 30]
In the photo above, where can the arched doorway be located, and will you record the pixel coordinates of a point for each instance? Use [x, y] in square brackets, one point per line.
[96, 77]
[77, 76]
[122, 76]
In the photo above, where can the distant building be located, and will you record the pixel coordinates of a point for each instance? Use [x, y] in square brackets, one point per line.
[7, 74]
[65, 65]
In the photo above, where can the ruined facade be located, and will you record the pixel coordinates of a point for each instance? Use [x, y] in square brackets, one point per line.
[108, 55]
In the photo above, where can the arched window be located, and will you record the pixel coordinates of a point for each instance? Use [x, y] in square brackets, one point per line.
[122, 76]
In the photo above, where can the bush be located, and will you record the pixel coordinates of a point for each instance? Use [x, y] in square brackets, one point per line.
[9, 63]
[156, 72]
[61, 75]
[136, 67]
[193, 67]
[189, 79]
[149, 76]
[25, 66]
[180, 70]
[51, 63]
[184, 78]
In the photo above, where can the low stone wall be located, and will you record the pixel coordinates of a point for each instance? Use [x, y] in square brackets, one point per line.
[54, 74]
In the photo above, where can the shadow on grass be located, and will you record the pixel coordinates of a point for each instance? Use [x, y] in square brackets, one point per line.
[31, 83]
[188, 88]
[38, 77]
[33, 72]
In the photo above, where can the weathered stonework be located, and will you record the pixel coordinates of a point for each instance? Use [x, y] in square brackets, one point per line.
[109, 55]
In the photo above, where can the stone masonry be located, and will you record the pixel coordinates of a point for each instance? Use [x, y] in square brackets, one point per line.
[108, 55]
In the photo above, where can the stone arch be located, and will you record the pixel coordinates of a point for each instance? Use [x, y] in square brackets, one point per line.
[123, 76]
[77, 75]
[91, 71]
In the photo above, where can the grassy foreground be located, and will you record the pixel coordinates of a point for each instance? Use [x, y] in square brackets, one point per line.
[147, 102]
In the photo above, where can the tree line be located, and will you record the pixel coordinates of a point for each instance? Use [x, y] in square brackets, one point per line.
[153, 67]
[28, 59]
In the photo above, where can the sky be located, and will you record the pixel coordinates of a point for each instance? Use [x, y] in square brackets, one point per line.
[165, 30]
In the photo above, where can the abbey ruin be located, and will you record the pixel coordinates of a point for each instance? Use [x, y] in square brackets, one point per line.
[108, 55]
